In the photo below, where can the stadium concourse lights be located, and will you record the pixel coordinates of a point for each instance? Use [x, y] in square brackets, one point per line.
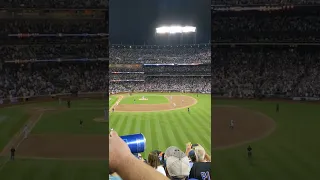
[175, 29]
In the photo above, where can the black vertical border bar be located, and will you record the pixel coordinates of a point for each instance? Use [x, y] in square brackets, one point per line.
[212, 73]
[212, 95]
[107, 62]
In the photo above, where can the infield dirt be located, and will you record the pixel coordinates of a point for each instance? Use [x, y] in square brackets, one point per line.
[179, 101]
[249, 126]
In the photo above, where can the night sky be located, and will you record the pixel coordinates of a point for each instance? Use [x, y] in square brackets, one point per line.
[134, 21]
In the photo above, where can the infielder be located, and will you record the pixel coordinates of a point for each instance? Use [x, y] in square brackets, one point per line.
[25, 131]
[174, 105]
[231, 124]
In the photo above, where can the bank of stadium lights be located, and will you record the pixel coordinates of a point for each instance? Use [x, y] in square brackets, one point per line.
[175, 29]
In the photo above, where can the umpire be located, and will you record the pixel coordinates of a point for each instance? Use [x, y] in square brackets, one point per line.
[13, 150]
[69, 103]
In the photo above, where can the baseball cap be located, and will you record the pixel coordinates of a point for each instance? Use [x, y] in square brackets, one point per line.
[177, 162]
[191, 153]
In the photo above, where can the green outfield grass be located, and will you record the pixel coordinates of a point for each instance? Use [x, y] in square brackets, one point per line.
[168, 128]
[152, 99]
[22, 169]
[291, 152]
[66, 121]
[11, 122]
[112, 100]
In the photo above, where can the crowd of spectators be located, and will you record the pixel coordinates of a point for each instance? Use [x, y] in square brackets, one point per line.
[54, 3]
[171, 83]
[53, 26]
[155, 54]
[284, 26]
[192, 164]
[287, 71]
[34, 79]
[129, 76]
[54, 51]
[264, 2]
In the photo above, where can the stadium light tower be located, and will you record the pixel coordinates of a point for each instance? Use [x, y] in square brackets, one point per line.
[174, 30]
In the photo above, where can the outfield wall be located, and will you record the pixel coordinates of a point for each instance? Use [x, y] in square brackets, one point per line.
[53, 97]
[68, 96]
[270, 98]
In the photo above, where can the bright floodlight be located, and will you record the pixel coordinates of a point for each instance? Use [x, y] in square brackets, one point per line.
[175, 29]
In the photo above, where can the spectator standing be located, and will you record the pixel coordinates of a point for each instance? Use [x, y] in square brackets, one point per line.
[201, 168]
[177, 164]
[154, 161]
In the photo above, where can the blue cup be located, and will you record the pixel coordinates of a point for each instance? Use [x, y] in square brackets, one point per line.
[136, 142]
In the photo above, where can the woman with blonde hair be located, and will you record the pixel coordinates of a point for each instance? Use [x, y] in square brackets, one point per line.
[154, 161]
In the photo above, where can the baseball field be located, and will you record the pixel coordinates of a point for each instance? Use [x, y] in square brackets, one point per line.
[57, 147]
[285, 144]
[163, 119]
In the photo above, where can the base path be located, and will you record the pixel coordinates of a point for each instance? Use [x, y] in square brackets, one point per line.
[35, 115]
[249, 126]
[179, 101]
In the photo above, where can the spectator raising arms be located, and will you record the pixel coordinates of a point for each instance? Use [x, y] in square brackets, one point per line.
[126, 165]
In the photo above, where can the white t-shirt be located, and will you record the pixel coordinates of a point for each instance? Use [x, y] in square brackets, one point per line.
[161, 170]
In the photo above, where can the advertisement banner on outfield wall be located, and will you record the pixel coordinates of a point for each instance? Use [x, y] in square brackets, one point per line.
[306, 99]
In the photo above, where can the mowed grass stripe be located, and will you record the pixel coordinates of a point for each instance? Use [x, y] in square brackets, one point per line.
[118, 124]
[195, 137]
[202, 138]
[178, 131]
[145, 127]
[157, 134]
[202, 120]
[298, 161]
[284, 162]
[125, 125]
[169, 128]
[167, 139]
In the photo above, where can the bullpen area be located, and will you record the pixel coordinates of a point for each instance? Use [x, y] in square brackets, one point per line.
[57, 146]
[284, 144]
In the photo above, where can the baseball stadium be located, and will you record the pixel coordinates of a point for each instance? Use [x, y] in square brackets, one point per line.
[159, 100]
[44, 63]
[266, 82]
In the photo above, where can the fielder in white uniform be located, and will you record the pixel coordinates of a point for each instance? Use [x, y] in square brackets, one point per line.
[25, 131]
[231, 124]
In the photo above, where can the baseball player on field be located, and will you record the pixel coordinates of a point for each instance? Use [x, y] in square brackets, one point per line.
[25, 131]
[231, 124]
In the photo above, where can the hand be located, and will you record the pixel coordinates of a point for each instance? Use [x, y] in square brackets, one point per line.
[119, 151]
[188, 146]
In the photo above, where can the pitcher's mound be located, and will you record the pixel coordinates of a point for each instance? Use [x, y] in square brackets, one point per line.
[100, 119]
